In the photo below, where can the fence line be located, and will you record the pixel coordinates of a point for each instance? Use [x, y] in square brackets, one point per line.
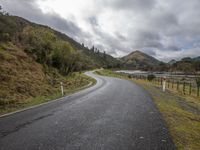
[184, 87]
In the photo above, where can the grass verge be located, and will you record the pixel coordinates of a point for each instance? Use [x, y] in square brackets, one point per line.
[181, 113]
[73, 83]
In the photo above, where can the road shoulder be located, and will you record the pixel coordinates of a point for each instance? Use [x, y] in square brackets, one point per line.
[43, 100]
[181, 115]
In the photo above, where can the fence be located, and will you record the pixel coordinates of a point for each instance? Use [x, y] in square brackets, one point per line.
[182, 86]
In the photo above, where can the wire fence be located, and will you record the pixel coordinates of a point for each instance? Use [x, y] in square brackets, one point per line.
[186, 87]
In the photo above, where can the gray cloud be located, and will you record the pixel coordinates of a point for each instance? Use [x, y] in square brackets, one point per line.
[164, 29]
[137, 5]
[30, 11]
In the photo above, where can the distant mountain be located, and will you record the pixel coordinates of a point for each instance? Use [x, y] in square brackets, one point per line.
[139, 60]
[171, 62]
[185, 59]
[196, 58]
[188, 59]
[187, 64]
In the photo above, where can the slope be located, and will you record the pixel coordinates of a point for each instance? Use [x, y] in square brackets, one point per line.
[139, 60]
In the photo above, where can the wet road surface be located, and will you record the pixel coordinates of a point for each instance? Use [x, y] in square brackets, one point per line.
[114, 114]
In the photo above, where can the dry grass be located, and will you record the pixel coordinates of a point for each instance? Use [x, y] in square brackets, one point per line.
[24, 82]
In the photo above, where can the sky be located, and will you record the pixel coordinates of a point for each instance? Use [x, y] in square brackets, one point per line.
[163, 29]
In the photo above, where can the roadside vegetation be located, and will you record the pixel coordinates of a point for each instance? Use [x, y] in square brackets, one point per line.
[34, 59]
[181, 112]
[32, 87]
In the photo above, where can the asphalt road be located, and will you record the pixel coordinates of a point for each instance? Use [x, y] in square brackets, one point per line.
[114, 114]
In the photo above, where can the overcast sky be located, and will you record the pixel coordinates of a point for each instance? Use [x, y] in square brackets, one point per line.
[165, 29]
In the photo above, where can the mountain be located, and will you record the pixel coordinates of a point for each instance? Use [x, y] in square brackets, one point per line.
[196, 58]
[171, 62]
[139, 60]
[187, 64]
[187, 59]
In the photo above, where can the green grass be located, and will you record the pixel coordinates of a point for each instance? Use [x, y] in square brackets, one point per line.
[181, 112]
[72, 84]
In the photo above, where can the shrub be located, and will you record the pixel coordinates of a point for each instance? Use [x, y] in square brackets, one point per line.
[150, 77]
[198, 81]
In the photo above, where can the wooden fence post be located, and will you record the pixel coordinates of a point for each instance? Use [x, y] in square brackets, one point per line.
[168, 83]
[177, 85]
[190, 91]
[62, 89]
[184, 88]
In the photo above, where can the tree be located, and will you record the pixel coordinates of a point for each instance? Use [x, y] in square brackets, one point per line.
[97, 51]
[2, 12]
[198, 84]
[92, 49]
[150, 77]
[104, 54]
[196, 65]
[83, 45]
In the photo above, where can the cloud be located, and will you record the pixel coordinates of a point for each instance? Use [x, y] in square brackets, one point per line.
[138, 5]
[30, 11]
[163, 29]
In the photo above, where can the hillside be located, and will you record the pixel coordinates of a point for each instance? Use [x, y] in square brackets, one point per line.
[97, 58]
[40, 40]
[34, 59]
[187, 65]
[171, 62]
[196, 58]
[139, 60]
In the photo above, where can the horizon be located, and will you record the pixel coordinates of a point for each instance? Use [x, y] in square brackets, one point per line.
[165, 33]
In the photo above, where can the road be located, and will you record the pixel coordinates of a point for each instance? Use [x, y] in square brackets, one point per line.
[114, 114]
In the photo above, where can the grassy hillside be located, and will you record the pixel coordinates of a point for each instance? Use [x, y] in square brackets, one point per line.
[25, 82]
[47, 45]
[34, 59]
[94, 57]
[187, 65]
[140, 60]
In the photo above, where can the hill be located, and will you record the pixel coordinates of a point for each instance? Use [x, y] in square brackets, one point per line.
[187, 65]
[139, 60]
[42, 41]
[196, 58]
[171, 62]
[34, 59]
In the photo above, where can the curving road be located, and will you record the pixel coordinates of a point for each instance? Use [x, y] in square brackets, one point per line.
[114, 114]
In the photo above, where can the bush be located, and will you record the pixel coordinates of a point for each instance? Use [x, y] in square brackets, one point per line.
[198, 81]
[150, 77]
